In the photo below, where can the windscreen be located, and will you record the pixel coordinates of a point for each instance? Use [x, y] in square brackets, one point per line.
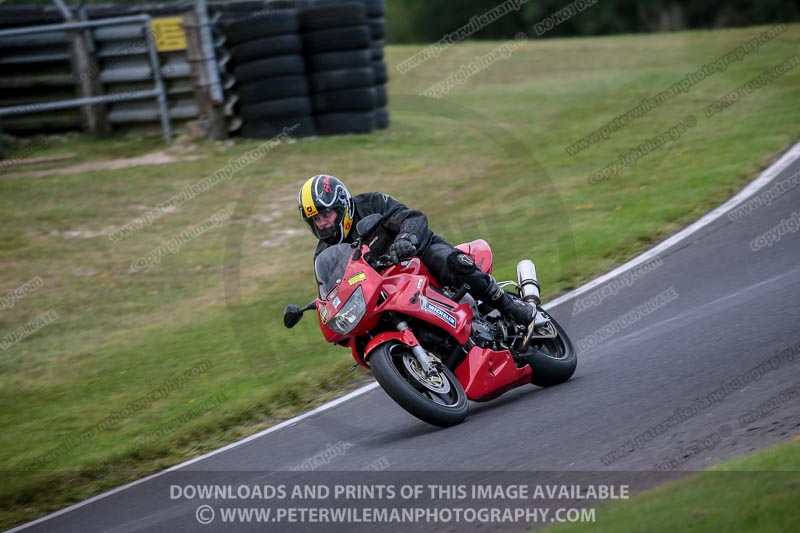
[330, 265]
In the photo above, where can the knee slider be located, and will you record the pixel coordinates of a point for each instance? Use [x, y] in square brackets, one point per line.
[461, 263]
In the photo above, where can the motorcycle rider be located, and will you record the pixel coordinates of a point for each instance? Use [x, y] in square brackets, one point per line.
[330, 211]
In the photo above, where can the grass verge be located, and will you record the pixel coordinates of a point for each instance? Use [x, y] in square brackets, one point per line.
[190, 353]
[754, 493]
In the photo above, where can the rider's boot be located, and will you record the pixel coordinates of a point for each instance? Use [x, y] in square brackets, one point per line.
[487, 290]
[518, 311]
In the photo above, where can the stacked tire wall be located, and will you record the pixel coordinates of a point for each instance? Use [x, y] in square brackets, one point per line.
[376, 18]
[337, 46]
[317, 68]
[266, 50]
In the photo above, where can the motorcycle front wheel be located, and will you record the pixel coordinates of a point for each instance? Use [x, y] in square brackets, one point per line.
[439, 400]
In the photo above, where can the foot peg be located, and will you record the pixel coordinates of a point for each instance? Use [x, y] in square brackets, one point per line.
[543, 327]
[539, 328]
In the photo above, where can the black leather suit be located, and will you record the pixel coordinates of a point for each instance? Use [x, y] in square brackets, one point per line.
[450, 266]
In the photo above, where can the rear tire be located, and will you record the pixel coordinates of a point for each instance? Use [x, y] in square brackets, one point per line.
[272, 109]
[553, 361]
[339, 60]
[336, 80]
[271, 67]
[362, 99]
[443, 410]
[273, 88]
[381, 115]
[269, 129]
[344, 123]
[267, 47]
[381, 72]
[323, 17]
[345, 38]
[261, 24]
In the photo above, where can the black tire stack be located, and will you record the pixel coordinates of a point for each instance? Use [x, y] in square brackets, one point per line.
[273, 90]
[337, 43]
[376, 18]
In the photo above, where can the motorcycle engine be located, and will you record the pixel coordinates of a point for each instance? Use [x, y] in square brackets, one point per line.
[483, 334]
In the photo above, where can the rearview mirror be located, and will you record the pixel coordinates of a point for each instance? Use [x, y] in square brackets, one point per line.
[292, 315]
[367, 225]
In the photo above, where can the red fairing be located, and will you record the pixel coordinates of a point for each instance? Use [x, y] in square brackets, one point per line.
[406, 337]
[406, 289]
[486, 374]
[373, 302]
[480, 251]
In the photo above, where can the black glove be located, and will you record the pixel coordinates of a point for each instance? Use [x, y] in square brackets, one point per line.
[403, 247]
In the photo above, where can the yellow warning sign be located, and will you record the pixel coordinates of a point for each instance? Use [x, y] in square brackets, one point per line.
[169, 34]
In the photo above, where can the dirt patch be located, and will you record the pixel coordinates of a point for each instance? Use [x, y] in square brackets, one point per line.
[162, 157]
[280, 237]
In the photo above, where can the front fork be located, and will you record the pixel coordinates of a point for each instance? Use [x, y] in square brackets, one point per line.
[426, 360]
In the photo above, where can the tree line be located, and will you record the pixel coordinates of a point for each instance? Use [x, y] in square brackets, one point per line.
[424, 21]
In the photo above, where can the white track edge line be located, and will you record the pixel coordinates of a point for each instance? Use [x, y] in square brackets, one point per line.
[765, 177]
[324, 407]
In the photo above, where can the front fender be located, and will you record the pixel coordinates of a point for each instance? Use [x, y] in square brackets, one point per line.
[406, 337]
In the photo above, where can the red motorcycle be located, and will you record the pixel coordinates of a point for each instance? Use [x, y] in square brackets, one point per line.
[431, 348]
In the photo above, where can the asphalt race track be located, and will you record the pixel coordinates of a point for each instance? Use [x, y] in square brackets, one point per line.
[683, 367]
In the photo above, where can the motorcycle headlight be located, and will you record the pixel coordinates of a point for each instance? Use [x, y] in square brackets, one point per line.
[350, 314]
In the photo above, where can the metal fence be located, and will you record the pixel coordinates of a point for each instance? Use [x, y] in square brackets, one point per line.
[141, 25]
[36, 69]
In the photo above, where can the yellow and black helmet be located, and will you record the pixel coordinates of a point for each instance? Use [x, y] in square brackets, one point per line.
[321, 194]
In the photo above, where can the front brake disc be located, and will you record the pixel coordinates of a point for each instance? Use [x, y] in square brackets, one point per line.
[437, 382]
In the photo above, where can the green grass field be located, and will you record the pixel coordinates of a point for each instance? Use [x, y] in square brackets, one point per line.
[78, 394]
[754, 493]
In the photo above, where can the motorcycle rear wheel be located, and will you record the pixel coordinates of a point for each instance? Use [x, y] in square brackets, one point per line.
[553, 361]
[392, 369]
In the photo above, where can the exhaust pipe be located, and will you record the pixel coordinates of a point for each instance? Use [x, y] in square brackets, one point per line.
[528, 282]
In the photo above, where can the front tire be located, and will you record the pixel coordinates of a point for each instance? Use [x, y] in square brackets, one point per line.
[443, 409]
[553, 361]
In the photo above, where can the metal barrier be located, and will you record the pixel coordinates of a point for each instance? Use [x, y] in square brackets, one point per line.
[157, 92]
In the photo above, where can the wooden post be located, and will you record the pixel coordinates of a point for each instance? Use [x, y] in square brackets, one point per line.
[87, 74]
[212, 121]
